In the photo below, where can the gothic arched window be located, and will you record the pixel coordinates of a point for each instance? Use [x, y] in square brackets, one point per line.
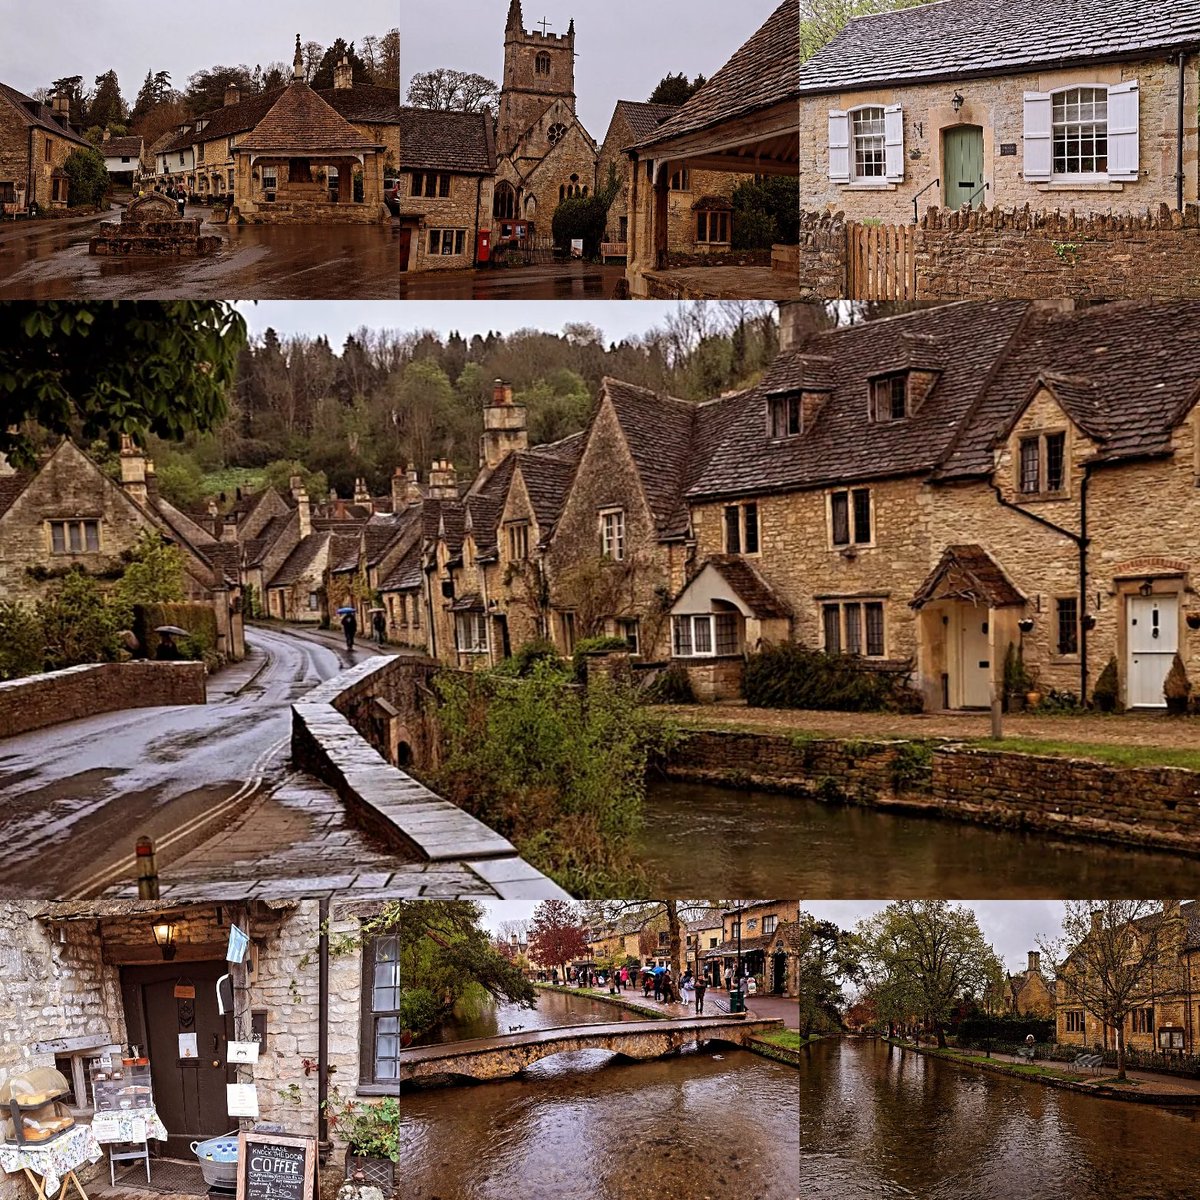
[556, 133]
[504, 202]
[541, 64]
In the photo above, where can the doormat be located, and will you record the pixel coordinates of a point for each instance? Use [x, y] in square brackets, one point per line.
[166, 1175]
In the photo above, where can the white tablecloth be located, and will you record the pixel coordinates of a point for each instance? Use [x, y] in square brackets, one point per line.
[55, 1160]
[128, 1125]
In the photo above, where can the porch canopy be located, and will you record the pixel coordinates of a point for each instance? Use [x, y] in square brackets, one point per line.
[728, 592]
[968, 573]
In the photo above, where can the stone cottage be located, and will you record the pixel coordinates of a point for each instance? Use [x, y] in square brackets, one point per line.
[36, 140]
[318, 994]
[763, 936]
[123, 158]
[1029, 993]
[1088, 106]
[68, 513]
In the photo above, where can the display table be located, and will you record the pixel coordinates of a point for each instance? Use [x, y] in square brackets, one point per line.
[127, 1135]
[53, 1166]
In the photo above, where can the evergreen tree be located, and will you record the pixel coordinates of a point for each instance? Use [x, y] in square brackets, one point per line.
[107, 107]
[675, 89]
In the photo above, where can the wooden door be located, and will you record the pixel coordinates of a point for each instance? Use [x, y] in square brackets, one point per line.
[975, 658]
[189, 1093]
[962, 166]
[405, 245]
[1153, 639]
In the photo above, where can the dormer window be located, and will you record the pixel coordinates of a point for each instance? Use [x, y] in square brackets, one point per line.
[889, 397]
[1042, 464]
[785, 416]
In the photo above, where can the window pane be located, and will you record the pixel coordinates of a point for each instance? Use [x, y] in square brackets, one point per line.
[793, 415]
[727, 633]
[387, 975]
[733, 535]
[702, 634]
[832, 616]
[868, 134]
[1031, 480]
[75, 536]
[683, 636]
[1068, 625]
[1056, 444]
[57, 537]
[751, 520]
[91, 532]
[853, 628]
[874, 630]
[862, 515]
[839, 504]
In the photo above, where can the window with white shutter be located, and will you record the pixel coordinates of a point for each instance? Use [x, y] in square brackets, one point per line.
[1123, 134]
[839, 146]
[1038, 140]
[893, 142]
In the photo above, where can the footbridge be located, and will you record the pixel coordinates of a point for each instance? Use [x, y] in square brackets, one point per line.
[503, 1057]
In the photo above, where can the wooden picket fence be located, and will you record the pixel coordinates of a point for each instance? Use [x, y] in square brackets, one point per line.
[880, 262]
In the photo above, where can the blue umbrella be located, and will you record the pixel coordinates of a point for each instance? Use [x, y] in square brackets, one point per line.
[659, 970]
[343, 611]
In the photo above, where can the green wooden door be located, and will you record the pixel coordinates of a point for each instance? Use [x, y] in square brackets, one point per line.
[962, 166]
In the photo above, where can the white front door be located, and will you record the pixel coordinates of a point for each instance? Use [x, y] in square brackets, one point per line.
[974, 657]
[1153, 637]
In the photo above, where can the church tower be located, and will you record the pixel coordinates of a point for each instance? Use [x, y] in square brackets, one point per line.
[539, 68]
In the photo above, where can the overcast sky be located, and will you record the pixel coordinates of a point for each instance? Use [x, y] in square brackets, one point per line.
[622, 47]
[41, 42]
[337, 318]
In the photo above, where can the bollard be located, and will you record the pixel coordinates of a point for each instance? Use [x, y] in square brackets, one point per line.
[997, 718]
[147, 869]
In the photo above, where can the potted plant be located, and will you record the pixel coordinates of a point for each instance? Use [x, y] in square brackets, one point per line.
[371, 1131]
[1015, 683]
[1177, 687]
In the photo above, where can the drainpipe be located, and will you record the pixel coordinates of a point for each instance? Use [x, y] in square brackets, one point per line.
[1179, 135]
[1081, 541]
[30, 186]
[323, 1022]
[478, 202]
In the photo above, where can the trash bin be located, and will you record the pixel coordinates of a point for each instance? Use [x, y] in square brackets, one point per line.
[737, 1002]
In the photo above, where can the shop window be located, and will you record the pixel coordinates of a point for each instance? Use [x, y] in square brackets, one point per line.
[1067, 612]
[380, 1040]
[785, 416]
[850, 517]
[74, 537]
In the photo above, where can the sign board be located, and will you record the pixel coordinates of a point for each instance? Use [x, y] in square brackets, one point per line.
[241, 1099]
[577, 247]
[185, 991]
[243, 1052]
[1008, 149]
[276, 1166]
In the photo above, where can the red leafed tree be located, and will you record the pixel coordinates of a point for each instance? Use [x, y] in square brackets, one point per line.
[557, 934]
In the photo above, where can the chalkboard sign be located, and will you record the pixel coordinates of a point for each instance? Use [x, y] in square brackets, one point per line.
[275, 1166]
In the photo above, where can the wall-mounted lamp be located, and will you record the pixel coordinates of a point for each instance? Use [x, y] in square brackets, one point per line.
[1025, 624]
[1089, 621]
[1146, 588]
[164, 936]
[1193, 620]
[957, 102]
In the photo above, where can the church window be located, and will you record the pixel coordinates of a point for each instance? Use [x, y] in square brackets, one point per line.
[557, 132]
[681, 181]
[541, 64]
[504, 202]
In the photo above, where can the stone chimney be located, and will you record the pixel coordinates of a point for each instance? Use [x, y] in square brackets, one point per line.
[151, 480]
[229, 530]
[107, 135]
[1035, 962]
[399, 490]
[133, 469]
[412, 487]
[233, 94]
[343, 74]
[505, 427]
[443, 480]
[362, 494]
[798, 319]
[303, 505]
[214, 518]
[60, 105]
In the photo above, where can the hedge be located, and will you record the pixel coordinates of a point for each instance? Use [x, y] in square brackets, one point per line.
[198, 619]
[791, 676]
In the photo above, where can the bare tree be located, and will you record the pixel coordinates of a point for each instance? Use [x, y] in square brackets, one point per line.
[1108, 958]
[452, 91]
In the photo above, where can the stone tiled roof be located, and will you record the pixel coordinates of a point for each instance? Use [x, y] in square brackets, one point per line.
[968, 572]
[11, 486]
[40, 116]
[643, 118]
[343, 552]
[257, 547]
[447, 141]
[407, 575]
[119, 147]
[960, 38]
[379, 533]
[749, 585]
[765, 71]
[300, 559]
[364, 102]
[547, 472]
[486, 506]
[300, 120]
[226, 557]
[843, 444]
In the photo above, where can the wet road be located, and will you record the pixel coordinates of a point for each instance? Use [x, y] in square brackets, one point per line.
[755, 844]
[878, 1122]
[74, 798]
[255, 262]
[582, 1124]
[566, 281]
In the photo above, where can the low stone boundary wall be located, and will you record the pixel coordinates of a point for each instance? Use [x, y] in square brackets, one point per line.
[334, 729]
[37, 701]
[1155, 807]
[987, 254]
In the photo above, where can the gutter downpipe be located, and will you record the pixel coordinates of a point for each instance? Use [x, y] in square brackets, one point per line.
[1081, 540]
[1179, 135]
[323, 1023]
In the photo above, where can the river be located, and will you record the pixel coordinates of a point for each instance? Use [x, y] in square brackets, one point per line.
[878, 1123]
[749, 843]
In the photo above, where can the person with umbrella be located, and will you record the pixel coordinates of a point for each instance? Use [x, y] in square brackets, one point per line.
[379, 625]
[349, 626]
[167, 650]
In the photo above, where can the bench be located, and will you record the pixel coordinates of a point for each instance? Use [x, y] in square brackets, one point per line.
[1088, 1062]
[613, 250]
[1025, 1052]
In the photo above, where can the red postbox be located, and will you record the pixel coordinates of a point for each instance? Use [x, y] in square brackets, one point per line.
[483, 246]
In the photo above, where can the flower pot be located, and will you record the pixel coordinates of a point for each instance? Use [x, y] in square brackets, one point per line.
[1033, 699]
[379, 1172]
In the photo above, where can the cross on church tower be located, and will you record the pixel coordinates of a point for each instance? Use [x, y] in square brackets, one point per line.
[544, 24]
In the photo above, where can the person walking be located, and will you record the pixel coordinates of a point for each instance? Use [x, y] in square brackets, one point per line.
[380, 627]
[647, 979]
[349, 628]
[728, 979]
[701, 988]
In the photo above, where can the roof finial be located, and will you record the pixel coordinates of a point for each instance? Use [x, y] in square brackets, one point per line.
[571, 28]
[515, 20]
[298, 62]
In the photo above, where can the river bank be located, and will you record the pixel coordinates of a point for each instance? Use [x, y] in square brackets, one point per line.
[1141, 1087]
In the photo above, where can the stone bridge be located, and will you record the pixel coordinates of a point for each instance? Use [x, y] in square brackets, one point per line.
[503, 1057]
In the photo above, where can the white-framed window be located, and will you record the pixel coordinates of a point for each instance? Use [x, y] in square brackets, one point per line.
[741, 528]
[866, 131]
[472, 629]
[866, 144]
[1083, 133]
[612, 534]
[518, 541]
[854, 627]
[629, 628]
[705, 635]
[770, 924]
[785, 416]
[447, 242]
[850, 517]
[74, 537]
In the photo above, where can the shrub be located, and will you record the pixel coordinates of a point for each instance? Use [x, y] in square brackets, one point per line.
[766, 211]
[593, 645]
[1177, 686]
[20, 641]
[198, 619]
[791, 676]
[79, 624]
[673, 686]
[1106, 695]
[529, 655]
[87, 178]
[979, 1028]
[583, 217]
